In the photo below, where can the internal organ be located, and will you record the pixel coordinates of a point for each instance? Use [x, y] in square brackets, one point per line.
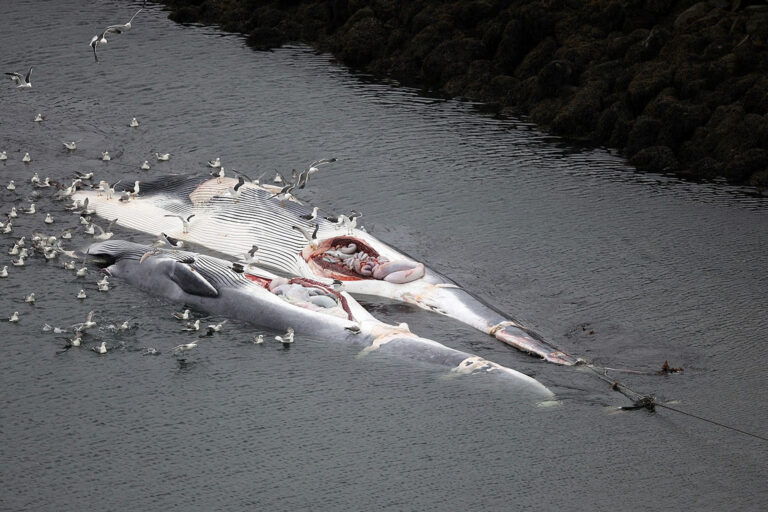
[311, 295]
[347, 258]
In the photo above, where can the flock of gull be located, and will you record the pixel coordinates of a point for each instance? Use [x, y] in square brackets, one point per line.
[47, 241]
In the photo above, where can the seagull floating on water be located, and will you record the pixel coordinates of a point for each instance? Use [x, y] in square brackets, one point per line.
[287, 338]
[26, 158]
[48, 219]
[19, 262]
[182, 315]
[212, 328]
[14, 317]
[101, 349]
[105, 156]
[193, 326]
[145, 166]
[4, 271]
[22, 82]
[163, 157]
[185, 346]
[39, 118]
[70, 145]
[30, 299]
[81, 294]
[258, 339]
[134, 123]
[11, 185]
[3, 156]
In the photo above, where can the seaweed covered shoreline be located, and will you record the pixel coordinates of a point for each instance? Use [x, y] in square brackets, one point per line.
[678, 87]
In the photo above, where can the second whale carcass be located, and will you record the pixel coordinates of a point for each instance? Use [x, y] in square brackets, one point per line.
[233, 223]
[260, 297]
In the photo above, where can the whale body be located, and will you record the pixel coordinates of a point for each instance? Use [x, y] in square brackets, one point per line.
[366, 265]
[262, 298]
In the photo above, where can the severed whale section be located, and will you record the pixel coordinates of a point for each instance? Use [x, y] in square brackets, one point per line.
[260, 297]
[231, 219]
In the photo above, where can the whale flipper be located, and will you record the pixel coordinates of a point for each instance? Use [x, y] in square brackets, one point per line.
[190, 280]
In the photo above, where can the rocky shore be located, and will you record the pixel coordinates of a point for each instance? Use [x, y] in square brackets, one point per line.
[678, 87]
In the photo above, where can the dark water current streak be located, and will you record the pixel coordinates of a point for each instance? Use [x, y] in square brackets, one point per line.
[568, 240]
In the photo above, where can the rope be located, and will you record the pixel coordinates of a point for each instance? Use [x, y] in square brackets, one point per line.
[640, 401]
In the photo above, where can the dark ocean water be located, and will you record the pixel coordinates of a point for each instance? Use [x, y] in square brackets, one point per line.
[625, 269]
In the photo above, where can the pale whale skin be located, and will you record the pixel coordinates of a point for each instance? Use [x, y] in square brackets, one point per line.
[209, 284]
[233, 225]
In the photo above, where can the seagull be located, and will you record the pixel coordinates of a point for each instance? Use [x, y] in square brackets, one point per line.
[173, 242]
[284, 194]
[183, 315]
[22, 82]
[101, 349]
[214, 328]
[96, 41]
[14, 317]
[312, 169]
[192, 326]
[39, 118]
[259, 339]
[74, 342]
[135, 188]
[105, 234]
[236, 190]
[311, 239]
[145, 166]
[48, 219]
[19, 262]
[119, 29]
[4, 272]
[163, 157]
[85, 325]
[250, 257]
[134, 123]
[30, 299]
[3, 156]
[11, 185]
[105, 156]
[26, 158]
[103, 284]
[13, 214]
[80, 176]
[287, 338]
[185, 346]
[81, 271]
[43, 184]
[278, 178]
[215, 163]
[13, 251]
[70, 145]
[70, 265]
[89, 229]
[184, 222]
[35, 178]
[81, 294]
[8, 228]
[56, 330]
[219, 173]
[310, 216]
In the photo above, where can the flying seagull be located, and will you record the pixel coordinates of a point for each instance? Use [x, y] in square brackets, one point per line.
[22, 82]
